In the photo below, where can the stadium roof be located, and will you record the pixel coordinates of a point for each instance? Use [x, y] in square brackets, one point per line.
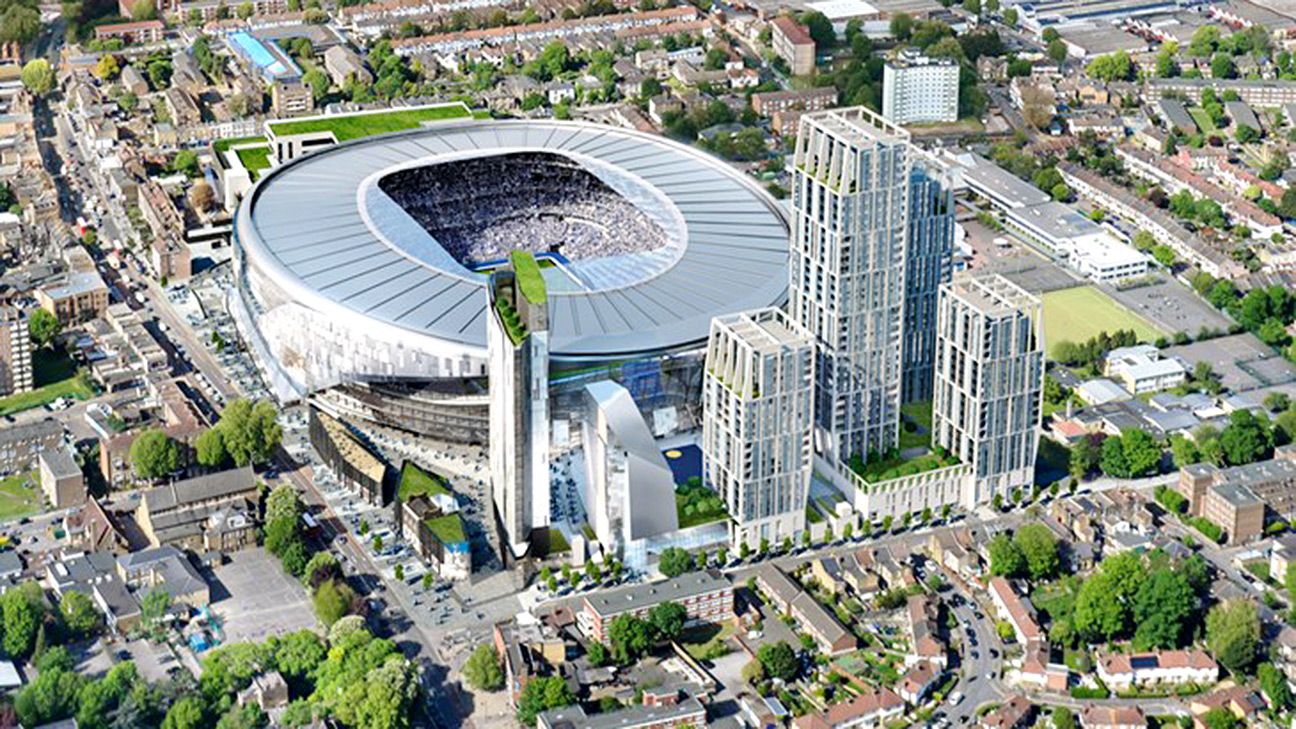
[314, 226]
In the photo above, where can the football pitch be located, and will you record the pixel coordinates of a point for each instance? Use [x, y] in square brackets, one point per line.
[1079, 313]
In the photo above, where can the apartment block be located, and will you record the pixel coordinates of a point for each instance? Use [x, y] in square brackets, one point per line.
[758, 418]
[989, 380]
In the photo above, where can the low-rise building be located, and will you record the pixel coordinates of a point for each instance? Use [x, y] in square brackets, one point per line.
[872, 709]
[1141, 368]
[22, 444]
[77, 298]
[1121, 671]
[358, 468]
[1016, 610]
[1112, 717]
[137, 33]
[791, 42]
[214, 512]
[688, 712]
[1238, 499]
[815, 620]
[706, 596]
[344, 65]
[1015, 711]
[61, 479]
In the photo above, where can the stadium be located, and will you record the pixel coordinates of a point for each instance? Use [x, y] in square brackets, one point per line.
[362, 268]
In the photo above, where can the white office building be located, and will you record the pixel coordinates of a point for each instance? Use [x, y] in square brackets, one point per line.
[917, 89]
[850, 221]
[629, 488]
[517, 341]
[989, 379]
[758, 417]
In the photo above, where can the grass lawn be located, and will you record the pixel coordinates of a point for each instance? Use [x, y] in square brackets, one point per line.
[920, 414]
[708, 642]
[415, 481]
[16, 499]
[1203, 119]
[223, 145]
[890, 468]
[355, 126]
[1079, 313]
[255, 159]
[1259, 568]
[56, 376]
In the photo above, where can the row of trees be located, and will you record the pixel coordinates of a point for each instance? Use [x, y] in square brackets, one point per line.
[246, 433]
[320, 572]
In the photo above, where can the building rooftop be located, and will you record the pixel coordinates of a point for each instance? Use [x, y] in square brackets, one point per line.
[574, 717]
[60, 462]
[634, 597]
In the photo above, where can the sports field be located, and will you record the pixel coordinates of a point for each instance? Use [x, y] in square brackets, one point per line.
[1079, 313]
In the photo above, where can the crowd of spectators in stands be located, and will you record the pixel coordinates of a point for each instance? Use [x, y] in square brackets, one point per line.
[482, 208]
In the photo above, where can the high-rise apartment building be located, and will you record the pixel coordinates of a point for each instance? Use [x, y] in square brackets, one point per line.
[758, 419]
[920, 89]
[15, 352]
[850, 201]
[517, 341]
[928, 264]
[989, 379]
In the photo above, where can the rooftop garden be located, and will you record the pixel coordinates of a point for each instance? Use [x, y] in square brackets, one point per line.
[517, 331]
[415, 481]
[447, 528]
[529, 279]
[696, 504]
[884, 468]
[224, 145]
[355, 126]
[255, 159]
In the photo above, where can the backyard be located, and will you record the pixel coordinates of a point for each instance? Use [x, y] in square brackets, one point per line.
[56, 376]
[355, 126]
[1204, 121]
[19, 496]
[1079, 313]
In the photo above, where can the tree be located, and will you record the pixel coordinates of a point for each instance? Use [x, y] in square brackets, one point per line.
[598, 654]
[1220, 718]
[1097, 616]
[668, 619]
[185, 162]
[1039, 549]
[202, 197]
[482, 669]
[1163, 608]
[318, 83]
[1233, 633]
[154, 454]
[251, 431]
[1057, 50]
[1006, 558]
[1063, 718]
[1246, 438]
[674, 562]
[1274, 685]
[187, 713]
[901, 26]
[1111, 67]
[631, 637]
[820, 28]
[155, 606]
[79, 613]
[38, 77]
[1085, 456]
[778, 660]
[23, 610]
[51, 697]
[107, 68]
[332, 601]
[159, 73]
[1010, 17]
[42, 326]
[1222, 67]
[210, 448]
[19, 23]
[542, 694]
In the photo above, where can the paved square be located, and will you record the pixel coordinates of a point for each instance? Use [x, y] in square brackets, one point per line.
[258, 598]
[1171, 306]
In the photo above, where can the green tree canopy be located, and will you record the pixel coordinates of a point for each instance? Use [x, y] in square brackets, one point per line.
[1233, 633]
[482, 669]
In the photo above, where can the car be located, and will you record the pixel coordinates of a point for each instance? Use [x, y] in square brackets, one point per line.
[955, 698]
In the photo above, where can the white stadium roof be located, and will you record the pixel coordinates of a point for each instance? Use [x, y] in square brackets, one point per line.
[320, 227]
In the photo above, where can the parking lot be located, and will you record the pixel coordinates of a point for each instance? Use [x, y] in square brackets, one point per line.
[1170, 306]
[1241, 361]
[259, 599]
